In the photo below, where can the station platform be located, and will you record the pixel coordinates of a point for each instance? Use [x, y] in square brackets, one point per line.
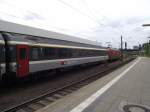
[126, 89]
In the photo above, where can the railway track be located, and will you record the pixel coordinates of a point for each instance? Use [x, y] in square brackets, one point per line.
[51, 96]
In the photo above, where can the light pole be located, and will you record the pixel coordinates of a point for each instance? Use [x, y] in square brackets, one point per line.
[145, 25]
[121, 49]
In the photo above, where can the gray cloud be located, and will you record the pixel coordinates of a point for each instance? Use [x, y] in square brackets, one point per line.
[33, 16]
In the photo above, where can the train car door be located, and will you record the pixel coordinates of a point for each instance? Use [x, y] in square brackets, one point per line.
[22, 60]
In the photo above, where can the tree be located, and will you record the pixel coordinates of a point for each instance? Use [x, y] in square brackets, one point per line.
[146, 48]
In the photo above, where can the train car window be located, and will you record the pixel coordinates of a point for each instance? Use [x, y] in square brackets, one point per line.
[22, 54]
[2, 53]
[56, 53]
[80, 53]
[104, 53]
[97, 53]
[100, 53]
[53, 53]
[74, 53]
[47, 53]
[13, 53]
[77, 53]
[41, 53]
[85, 53]
[69, 53]
[35, 54]
[63, 53]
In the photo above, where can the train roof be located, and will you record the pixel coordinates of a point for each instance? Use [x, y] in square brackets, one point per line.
[22, 29]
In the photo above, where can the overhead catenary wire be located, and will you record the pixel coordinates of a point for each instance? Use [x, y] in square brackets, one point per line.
[91, 16]
[25, 10]
[90, 11]
[77, 10]
[65, 3]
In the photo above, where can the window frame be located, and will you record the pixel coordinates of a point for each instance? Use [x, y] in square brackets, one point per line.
[52, 53]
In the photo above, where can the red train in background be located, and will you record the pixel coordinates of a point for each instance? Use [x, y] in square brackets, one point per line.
[114, 54]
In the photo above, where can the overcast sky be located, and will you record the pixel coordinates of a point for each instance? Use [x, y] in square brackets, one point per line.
[99, 20]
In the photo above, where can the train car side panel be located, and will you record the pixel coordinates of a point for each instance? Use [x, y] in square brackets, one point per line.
[36, 66]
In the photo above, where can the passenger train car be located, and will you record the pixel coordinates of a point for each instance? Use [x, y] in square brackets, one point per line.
[25, 50]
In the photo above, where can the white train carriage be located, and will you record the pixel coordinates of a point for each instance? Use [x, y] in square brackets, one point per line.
[25, 50]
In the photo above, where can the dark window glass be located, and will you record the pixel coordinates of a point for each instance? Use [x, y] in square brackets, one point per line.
[12, 53]
[22, 54]
[41, 53]
[47, 53]
[63, 53]
[2, 53]
[34, 53]
[50, 53]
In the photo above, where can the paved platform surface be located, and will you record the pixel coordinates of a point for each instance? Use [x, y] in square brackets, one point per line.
[127, 88]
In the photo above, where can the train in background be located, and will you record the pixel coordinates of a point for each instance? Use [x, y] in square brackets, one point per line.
[26, 50]
[114, 54]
